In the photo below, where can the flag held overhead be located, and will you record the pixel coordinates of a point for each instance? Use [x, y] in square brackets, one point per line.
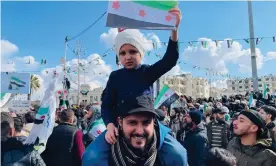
[141, 14]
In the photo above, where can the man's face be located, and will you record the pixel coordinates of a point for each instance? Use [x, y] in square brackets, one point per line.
[243, 126]
[89, 114]
[172, 113]
[265, 116]
[129, 56]
[138, 130]
[187, 119]
[220, 116]
[164, 109]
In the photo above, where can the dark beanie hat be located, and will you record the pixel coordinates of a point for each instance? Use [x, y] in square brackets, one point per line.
[196, 116]
[255, 117]
[161, 115]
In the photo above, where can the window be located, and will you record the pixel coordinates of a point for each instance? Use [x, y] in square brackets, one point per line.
[267, 84]
[233, 88]
[240, 81]
[246, 87]
[246, 81]
[233, 82]
[91, 98]
[267, 79]
[259, 79]
[240, 87]
[260, 85]
[96, 98]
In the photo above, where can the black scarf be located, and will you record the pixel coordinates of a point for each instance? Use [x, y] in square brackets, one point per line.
[122, 155]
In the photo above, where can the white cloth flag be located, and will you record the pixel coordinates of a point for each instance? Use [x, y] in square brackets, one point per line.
[44, 120]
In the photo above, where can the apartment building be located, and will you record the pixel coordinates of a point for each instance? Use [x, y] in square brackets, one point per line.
[186, 84]
[240, 86]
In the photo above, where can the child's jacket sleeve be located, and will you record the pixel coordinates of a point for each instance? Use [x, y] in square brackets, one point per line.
[164, 65]
[109, 101]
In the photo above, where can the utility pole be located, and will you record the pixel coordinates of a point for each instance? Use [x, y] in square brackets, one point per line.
[210, 82]
[78, 49]
[252, 47]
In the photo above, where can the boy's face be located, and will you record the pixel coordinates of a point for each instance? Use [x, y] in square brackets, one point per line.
[129, 56]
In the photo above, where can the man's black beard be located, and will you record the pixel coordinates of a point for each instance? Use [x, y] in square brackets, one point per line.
[188, 126]
[138, 151]
[220, 120]
[173, 116]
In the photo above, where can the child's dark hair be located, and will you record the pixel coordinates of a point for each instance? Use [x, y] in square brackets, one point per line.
[221, 157]
[30, 117]
[18, 124]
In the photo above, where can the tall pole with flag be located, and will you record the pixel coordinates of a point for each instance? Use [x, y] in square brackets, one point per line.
[252, 47]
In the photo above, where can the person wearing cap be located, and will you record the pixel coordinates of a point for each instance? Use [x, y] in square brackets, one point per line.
[196, 141]
[218, 129]
[269, 114]
[141, 140]
[252, 145]
[134, 78]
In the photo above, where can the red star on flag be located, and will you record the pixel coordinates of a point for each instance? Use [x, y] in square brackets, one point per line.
[142, 13]
[116, 5]
[168, 18]
[99, 132]
[166, 94]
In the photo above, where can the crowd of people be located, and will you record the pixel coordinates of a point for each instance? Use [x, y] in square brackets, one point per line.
[126, 129]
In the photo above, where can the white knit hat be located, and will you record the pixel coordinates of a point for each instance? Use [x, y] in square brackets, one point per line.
[130, 36]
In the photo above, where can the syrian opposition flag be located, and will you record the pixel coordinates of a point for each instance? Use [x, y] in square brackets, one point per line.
[265, 92]
[44, 119]
[251, 102]
[166, 97]
[139, 14]
[17, 82]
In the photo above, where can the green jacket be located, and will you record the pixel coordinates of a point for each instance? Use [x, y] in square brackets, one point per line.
[256, 155]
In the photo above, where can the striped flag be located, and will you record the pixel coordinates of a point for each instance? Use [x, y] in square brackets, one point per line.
[166, 97]
[44, 119]
[265, 92]
[139, 14]
[17, 83]
[251, 102]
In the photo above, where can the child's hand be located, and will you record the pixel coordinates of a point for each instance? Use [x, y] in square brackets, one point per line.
[177, 13]
[111, 134]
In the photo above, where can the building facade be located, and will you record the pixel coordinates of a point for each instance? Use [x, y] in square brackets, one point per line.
[186, 84]
[87, 95]
[241, 86]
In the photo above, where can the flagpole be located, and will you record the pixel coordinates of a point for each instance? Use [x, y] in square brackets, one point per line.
[252, 47]
[64, 79]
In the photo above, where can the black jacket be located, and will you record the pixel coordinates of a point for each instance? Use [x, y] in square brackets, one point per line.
[59, 146]
[196, 144]
[13, 152]
[124, 83]
[270, 127]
